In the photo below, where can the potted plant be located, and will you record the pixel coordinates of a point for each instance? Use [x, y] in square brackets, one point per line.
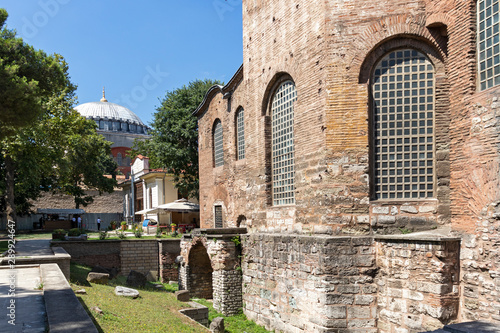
[173, 225]
[124, 225]
[58, 234]
[113, 225]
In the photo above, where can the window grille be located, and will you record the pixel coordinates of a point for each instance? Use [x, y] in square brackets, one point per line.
[240, 135]
[488, 43]
[283, 161]
[218, 147]
[403, 120]
[218, 216]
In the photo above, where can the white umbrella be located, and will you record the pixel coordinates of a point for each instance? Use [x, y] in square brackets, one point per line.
[180, 206]
[149, 211]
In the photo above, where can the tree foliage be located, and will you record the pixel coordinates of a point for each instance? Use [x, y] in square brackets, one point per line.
[174, 142]
[45, 144]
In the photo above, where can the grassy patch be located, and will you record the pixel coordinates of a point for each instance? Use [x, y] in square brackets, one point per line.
[154, 311]
[3, 246]
[34, 235]
[233, 324]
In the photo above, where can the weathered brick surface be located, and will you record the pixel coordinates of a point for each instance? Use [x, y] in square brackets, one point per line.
[139, 255]
[329, 49]
[168, 251]
[211, 269]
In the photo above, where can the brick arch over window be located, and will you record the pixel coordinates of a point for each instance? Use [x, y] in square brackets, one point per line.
[382, 34]
[414, 116]
[217, 144]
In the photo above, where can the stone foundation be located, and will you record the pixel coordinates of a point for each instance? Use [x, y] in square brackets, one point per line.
[310, 283]
[417, 283]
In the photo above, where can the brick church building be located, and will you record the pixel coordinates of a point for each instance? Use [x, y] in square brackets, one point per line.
[359, 144]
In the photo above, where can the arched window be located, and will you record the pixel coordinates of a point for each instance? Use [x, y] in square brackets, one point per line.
[240, 135]
[403, 126]
[488, 40]
[283, 160]
[119, 159]
[218, 147]
[101, 124]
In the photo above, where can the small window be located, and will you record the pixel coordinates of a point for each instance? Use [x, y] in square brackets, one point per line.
[240, 135]
[218, 216]
[119, 159]
[101, 124]
[218, 146]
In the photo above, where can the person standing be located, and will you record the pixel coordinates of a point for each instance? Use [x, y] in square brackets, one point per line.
[73, 222]
[98, 224]
[79, 222]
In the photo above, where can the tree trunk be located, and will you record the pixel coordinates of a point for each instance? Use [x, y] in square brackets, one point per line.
[9, 193]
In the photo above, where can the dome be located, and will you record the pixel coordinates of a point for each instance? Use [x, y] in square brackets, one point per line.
[108, 111]
[111, 117]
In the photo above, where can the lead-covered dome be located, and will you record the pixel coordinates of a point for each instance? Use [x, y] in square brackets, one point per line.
[112, 117]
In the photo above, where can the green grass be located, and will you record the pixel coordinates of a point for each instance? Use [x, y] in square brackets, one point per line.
[154, 310]
[3, 246]
[232, 324]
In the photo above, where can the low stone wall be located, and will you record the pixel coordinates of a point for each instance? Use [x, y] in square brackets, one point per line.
[139, 255]
[300, 283]
[197, 312]
[418, 283]
[145, 256]
[93, 253]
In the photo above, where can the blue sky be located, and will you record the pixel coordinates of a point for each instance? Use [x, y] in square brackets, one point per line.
[138, 52]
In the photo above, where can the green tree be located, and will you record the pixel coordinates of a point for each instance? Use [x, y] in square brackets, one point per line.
[173, 145]
[41, 135]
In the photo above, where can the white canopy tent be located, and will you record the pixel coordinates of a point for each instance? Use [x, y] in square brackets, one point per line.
[178, 206]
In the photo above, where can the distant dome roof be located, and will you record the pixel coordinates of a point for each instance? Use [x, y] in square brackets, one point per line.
[107, 110]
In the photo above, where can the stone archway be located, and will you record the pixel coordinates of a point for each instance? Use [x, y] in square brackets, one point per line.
[200, 272]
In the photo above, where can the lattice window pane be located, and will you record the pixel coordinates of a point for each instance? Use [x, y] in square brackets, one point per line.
[283, 161]
[240, 135]
[218, 147]
[488, 46]
[403, 146]
[218, 216]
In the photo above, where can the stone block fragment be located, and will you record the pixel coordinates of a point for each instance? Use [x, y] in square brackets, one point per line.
[99, 278]
[182, 295]
[124, 291]
[217, 325]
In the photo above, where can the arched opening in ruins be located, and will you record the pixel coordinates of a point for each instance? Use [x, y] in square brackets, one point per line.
[200, 272]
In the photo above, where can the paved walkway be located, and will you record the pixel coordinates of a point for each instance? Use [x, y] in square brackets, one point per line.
[27, 307]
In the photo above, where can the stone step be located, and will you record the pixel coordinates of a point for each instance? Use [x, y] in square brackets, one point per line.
[473, 327]
[469, 327]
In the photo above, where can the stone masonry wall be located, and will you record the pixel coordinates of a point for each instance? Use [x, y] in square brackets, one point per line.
[93, 253]
[417, 283]
[168, 251]
[480, 263]
[310, 284]
[139, 255]
[131, 254]
[210, 268]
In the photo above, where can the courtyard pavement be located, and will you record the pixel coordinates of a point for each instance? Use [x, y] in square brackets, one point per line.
[21, 301]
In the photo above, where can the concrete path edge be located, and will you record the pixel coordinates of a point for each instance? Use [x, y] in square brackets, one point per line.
[64, 311]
